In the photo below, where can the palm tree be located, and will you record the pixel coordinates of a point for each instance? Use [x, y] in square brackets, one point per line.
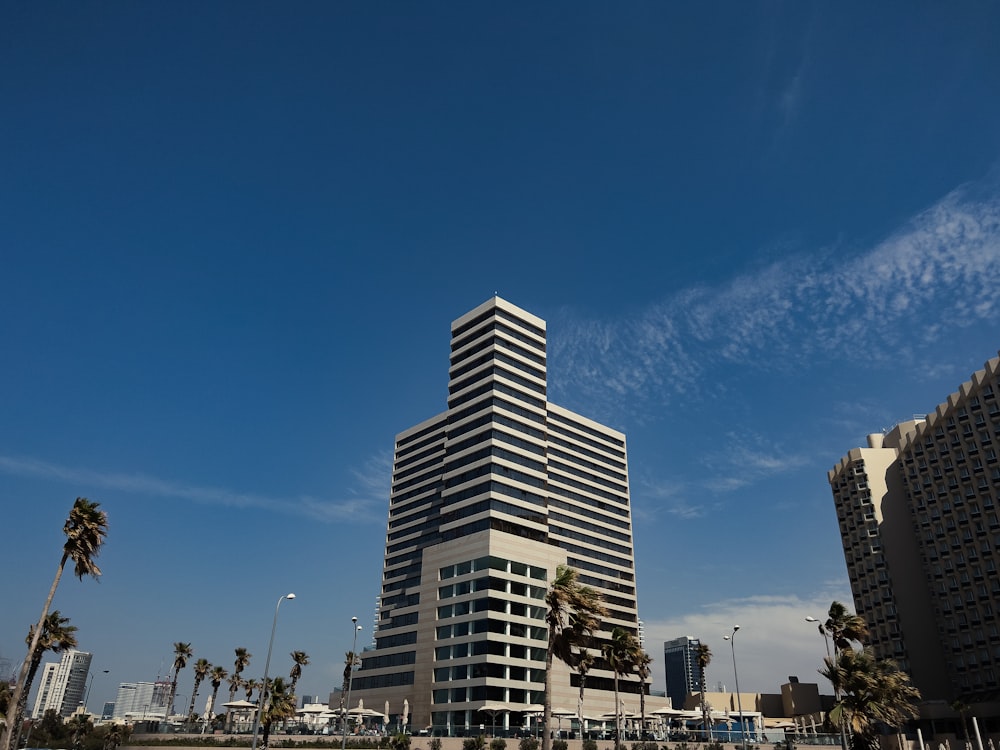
[250, 685]
[242, 662]
[113, 737]
[57, 636]
[585, 660]
[80, 726]
[873, 692]
[703, 656]
[182, 652]
[85, 529]
[299, 659]
[620, 653]
[351, 660]
[235, 681]
[217, 675]
[573, 613]
[642, 668]
[844, 629]
[201, 670]
[280, 705]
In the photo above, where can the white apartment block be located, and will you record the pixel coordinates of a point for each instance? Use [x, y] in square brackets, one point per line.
[918, 517]
[487, 499]
[62, 684]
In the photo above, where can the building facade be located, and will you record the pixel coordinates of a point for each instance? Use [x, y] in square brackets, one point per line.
[487, 499]
[680, 661]
[139, 701]
[918, 517]
[63, 684]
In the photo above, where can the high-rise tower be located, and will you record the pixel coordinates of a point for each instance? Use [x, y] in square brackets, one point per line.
[63, 684]
[487, 498]
[680, 662]
[918, 517]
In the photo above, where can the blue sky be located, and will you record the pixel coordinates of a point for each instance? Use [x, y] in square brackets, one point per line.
[233, 238]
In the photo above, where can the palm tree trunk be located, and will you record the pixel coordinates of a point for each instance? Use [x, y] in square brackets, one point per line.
[23, 705]
[211, 711]
[10, 734]
[547, 710]
[618, 716]
[194, 693]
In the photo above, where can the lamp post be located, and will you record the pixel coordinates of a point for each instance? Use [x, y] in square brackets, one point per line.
[822, 632]
[833, 665]
[90, 684]
[262, 695]
[739, 703]
[350, 679]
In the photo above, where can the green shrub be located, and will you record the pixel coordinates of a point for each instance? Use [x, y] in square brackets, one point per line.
[559, 745]
[498, 743]
[399, 741]
[528, 743]
[590, 745]
[435, 743]
[474, 743]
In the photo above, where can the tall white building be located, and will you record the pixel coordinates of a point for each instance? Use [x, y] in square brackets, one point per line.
[487, 499]
[919, 516]
[137, 701]
[62, 684]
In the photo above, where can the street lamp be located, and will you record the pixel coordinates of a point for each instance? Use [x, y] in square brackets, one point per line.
[90, 684]
[822, 632]
[350, 679]
[739, 703]
[267, 663]
[833, 665]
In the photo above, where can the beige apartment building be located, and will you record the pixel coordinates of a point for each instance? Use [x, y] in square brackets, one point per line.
[487, 498]
[918, 517]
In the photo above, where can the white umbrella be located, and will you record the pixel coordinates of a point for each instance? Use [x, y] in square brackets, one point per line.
[493, 709]
[239, 704]
[561, 713]
[668, 712]
[406, 711]
[385, 714]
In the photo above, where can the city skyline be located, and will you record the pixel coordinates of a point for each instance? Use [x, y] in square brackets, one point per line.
[233, 246]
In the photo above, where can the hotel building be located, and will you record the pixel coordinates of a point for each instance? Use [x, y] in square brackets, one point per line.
[918, 517]
[680, 661]
[487, 499]
[63, 684]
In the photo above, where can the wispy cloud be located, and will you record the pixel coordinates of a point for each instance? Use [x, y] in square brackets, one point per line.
[941, 269]
[365, 504]
[744, 458]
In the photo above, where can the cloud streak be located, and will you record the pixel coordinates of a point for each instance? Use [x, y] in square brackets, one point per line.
[941, 269]
[366, 505]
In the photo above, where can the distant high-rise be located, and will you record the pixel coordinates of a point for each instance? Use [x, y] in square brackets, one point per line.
[680, 660]
[918, 517]
[137, 701]
[62, 684]
[487, 499]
